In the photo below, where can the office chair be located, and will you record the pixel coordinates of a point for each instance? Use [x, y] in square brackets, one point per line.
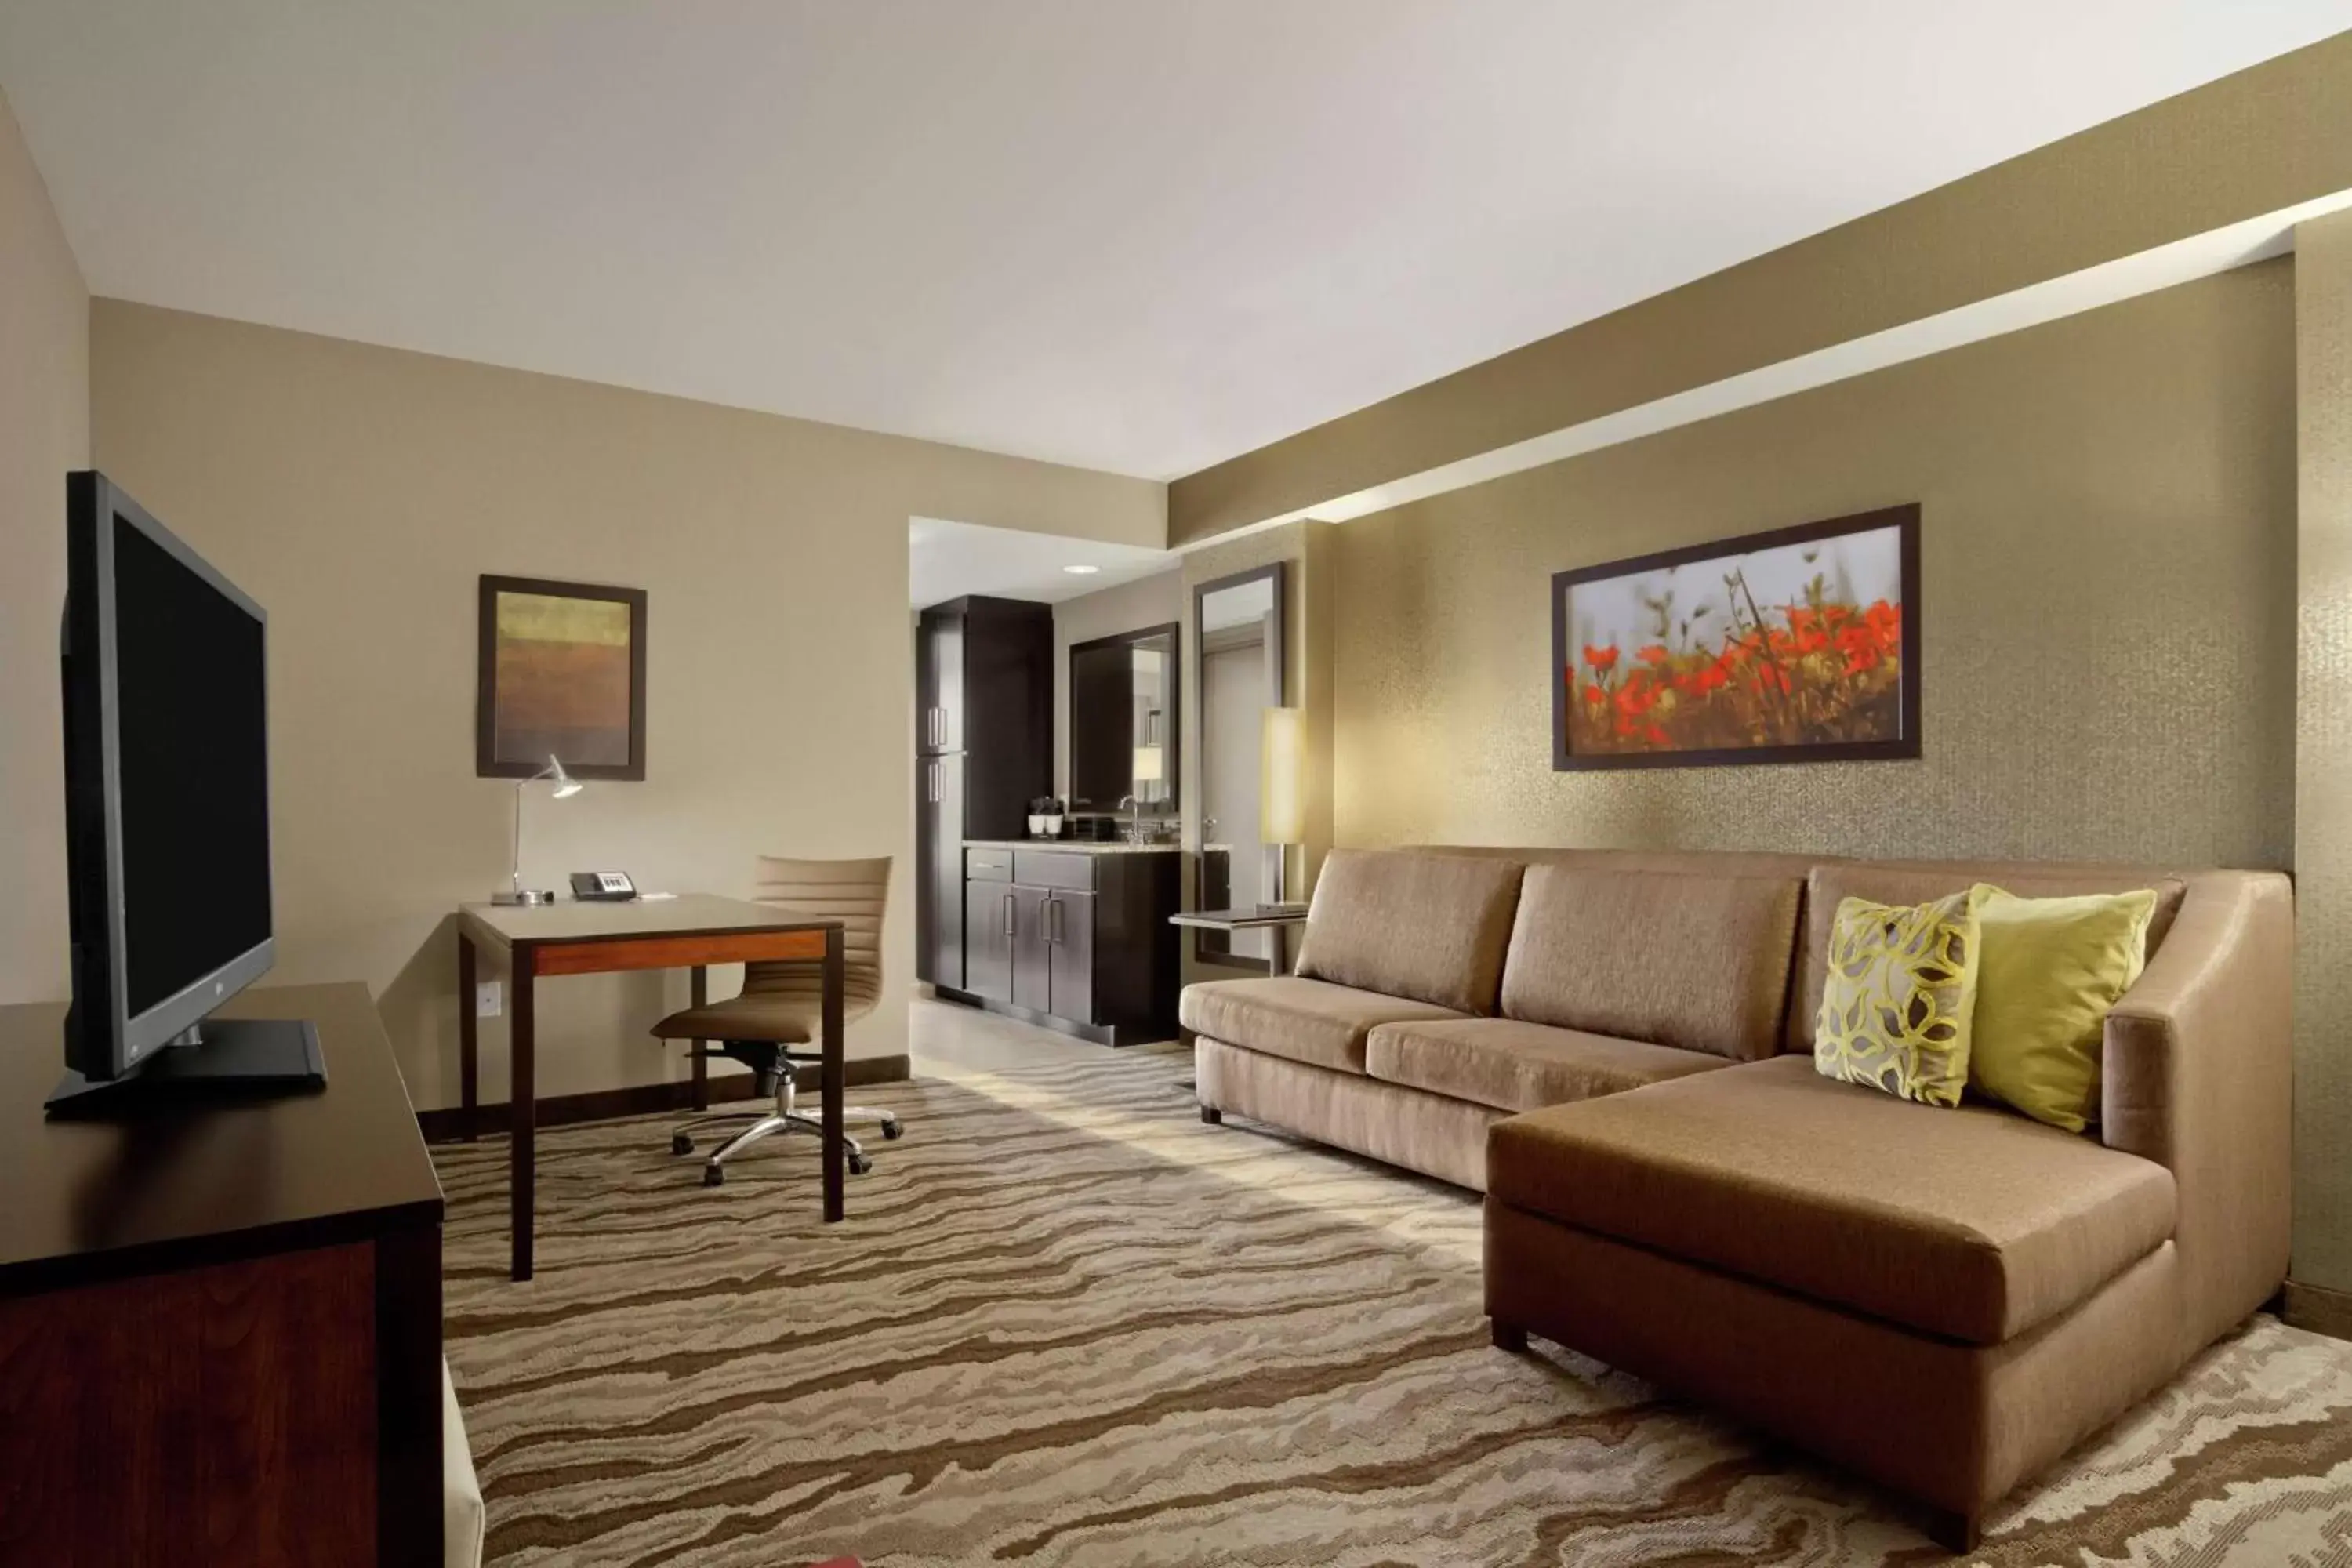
[780, 1006]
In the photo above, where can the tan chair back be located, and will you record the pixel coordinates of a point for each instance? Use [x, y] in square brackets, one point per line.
[856, 893]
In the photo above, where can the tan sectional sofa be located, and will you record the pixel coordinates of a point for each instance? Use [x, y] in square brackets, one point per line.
[1616, 1047]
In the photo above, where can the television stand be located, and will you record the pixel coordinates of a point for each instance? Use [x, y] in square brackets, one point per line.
[227, 1059]
[222, 1324]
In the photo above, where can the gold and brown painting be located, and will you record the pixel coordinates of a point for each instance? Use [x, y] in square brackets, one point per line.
[561, 675]
[1801, 644]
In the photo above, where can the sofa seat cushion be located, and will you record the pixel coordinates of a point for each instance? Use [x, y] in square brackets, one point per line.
[1975, 1223]
[1514, 1066]
[1310, 1021]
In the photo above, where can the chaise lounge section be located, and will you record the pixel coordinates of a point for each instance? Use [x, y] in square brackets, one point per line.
[1617, 1049]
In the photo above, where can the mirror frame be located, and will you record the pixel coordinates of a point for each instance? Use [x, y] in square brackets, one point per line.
[1277, 690]
[1174, 632]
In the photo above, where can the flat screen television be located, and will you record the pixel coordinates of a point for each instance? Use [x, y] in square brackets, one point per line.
[164, 664]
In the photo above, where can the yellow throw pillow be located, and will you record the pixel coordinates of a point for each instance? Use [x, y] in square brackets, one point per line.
[1898, 997]
[2051, 971]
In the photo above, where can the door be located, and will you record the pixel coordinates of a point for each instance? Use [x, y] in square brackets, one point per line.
[988, 940]
[938, 683]
[939, 871]
[1032, 967]
[1070, 955]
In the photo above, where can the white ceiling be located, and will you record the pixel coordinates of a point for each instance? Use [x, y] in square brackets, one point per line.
[946, 560]
[1135, 234]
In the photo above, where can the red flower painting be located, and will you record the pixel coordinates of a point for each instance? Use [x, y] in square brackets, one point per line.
[1785, 645]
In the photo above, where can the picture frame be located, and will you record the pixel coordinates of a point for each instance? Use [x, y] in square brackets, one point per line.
[1795, 645]
[561, 671]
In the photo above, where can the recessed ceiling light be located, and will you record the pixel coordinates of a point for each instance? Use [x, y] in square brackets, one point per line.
[1082, 570]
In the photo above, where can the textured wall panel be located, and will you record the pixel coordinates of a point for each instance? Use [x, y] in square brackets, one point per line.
[2322, 847]
[2108, 544]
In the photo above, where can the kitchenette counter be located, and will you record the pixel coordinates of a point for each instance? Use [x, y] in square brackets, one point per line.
[1072, 846]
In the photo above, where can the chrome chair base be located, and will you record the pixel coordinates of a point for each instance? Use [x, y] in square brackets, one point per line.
[785, 1119]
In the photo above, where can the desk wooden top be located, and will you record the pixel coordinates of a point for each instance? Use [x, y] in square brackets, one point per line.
[584, 919]
[196, 1182]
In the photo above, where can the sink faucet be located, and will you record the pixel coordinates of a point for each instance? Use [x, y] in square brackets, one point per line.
[1134, 809]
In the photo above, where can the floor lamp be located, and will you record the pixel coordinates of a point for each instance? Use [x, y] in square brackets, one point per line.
[1282, 790]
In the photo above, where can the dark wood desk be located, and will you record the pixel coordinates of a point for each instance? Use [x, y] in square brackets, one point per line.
[220, 1323]
[691, 932]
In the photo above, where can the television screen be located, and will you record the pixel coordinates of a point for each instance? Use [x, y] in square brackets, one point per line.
[191, 733]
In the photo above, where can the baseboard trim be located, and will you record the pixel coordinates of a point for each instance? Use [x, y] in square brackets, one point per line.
[2320, 1309]
[450, 1124]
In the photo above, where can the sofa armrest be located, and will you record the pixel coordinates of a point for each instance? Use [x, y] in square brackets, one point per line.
[2198, 1075]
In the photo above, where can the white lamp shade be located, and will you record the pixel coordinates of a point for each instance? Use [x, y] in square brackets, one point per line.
[1151, 764]
[1282, 779]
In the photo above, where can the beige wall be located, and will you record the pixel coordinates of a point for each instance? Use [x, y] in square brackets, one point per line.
[357, 492]
[44, 435]
[2323, 828]
[1152, 601]
[2108, 559]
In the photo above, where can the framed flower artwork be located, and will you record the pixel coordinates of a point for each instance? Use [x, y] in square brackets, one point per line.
[1797, 646]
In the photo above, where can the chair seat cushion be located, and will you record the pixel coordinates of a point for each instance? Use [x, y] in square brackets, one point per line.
[1973, 1223]
[788, 1020]
[1310, 1021]
[1515, 1066]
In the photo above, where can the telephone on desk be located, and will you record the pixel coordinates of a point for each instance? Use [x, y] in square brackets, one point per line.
[606, 887]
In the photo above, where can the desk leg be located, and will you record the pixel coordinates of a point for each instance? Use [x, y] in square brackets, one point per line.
[829, 1082]
[468, 1041]
[522, 1110]
[701, 997]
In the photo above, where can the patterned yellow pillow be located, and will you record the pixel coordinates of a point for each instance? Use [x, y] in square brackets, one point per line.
[1898, 997]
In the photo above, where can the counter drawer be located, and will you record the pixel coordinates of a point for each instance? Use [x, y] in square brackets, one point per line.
[987, 865]
[1053, 869]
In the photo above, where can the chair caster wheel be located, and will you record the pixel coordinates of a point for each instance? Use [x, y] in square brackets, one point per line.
[859, 1164]
[679, 1143]
[714, 1176]
[892, 1133]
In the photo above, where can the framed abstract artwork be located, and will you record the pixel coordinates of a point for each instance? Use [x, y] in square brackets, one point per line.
[561, 674]
[1797, 646]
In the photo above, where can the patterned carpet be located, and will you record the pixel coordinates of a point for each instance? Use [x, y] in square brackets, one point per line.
[1066, 1323]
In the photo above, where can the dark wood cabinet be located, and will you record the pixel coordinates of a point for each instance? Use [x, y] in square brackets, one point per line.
[984, 751]
[1031, 971]
[1070, 921]
[988, 927]
[939, 867]
[220, 1320]
[1077, 941]
[938, 682]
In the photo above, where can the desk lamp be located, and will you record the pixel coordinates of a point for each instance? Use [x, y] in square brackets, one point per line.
[566, 787]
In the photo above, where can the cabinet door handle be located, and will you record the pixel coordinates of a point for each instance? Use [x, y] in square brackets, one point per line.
[931, 783]
[1008, 915]
[1052, 919]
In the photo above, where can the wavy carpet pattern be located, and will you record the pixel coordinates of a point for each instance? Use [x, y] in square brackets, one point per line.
[1065, 1323]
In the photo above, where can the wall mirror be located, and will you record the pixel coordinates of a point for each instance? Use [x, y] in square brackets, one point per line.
[1237, 626]
[1123, 727]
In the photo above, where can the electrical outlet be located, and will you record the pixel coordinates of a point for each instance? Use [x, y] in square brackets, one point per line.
[489, 999]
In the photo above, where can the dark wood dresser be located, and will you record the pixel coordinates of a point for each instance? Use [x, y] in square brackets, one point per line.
[220, 1325]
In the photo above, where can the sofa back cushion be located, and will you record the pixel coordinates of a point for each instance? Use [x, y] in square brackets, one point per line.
[1697, 962]
[1428, 927]
[1916, 882]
